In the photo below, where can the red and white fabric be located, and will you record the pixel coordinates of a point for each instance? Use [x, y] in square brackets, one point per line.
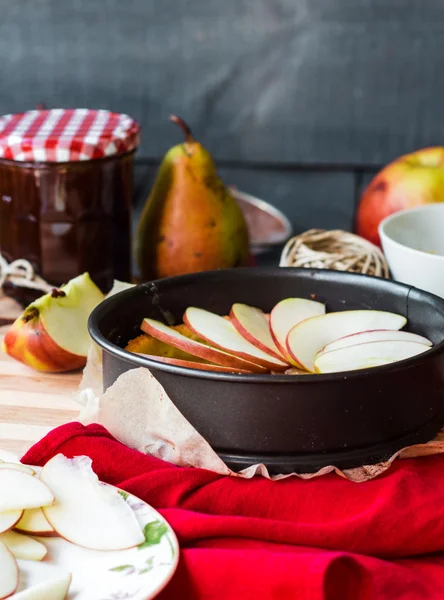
[66, 135]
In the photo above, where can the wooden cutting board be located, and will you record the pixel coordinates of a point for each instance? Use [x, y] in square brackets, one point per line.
[31, 403]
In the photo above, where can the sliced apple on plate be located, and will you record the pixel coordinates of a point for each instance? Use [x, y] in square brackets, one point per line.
[87, 512]
[40, 581]
[17, 467]
[253, 324]
[364, 356]
[34, 521]
[52, 589]
[23, 546]
[20, 490]
[377, 335]
[9, 518]
[288, 313]
[9, 572]
[221, 332]
[197, 364]
[174, 338]
[308, 337]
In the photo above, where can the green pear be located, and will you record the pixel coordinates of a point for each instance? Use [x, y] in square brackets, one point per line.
[191, 222]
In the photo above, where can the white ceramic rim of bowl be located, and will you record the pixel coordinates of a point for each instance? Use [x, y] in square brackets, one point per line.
[393, 217]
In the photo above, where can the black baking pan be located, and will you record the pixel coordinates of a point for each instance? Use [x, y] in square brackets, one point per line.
[289, 422]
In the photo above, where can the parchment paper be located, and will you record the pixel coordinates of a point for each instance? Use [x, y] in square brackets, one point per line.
[137, 411]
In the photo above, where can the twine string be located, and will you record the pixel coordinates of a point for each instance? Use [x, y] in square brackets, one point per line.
[22, 273]
[336, 249]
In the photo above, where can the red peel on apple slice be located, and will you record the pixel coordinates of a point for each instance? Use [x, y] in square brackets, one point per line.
[170, 336]
[253, 325]
[306, 339]
[221, 332]
[202, 366]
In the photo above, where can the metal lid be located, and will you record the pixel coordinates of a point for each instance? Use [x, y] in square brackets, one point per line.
[64, 135]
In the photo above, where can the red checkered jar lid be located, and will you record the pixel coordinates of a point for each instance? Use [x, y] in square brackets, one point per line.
[62, 135]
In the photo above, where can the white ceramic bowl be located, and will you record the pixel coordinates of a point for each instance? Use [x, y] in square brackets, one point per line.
[413, 244]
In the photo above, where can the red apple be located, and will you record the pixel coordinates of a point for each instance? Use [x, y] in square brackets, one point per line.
[52, 333]
[411, 180]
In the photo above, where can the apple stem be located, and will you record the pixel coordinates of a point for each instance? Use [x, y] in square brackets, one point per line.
[32, 313]
[189, 138]
[57, 293]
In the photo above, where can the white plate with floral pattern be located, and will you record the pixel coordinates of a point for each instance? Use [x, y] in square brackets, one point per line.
[138, 573]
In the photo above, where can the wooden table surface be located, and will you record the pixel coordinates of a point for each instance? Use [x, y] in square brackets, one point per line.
[31, 403]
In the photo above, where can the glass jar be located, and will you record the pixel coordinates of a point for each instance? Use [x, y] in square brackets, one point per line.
[68, 217]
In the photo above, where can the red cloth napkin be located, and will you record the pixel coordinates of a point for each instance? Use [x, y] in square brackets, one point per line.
[323, 539]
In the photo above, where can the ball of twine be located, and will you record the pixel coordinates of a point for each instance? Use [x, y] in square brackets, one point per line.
[21, 273]
[338, 250]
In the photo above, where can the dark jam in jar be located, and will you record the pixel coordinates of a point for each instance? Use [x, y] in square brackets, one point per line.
[74, 216]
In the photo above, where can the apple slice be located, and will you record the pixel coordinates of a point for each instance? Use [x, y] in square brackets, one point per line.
[377, 335]
[20, 490]
[364, 356]
[9, 573]
[253, 324]
[288, 313]
[147, 344]
[222, 333]
[52, 333]
[34, 521]
[9, 518]
[17, 467]
[170, 336]
[41, 581]
[53, 589]
[23, 546]
[86, 512]
[307, 338]
[202, 366]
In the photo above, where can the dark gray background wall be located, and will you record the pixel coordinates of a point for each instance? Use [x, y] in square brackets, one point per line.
[300, 101]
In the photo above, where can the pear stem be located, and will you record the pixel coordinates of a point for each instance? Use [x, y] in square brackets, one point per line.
[185, 128]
